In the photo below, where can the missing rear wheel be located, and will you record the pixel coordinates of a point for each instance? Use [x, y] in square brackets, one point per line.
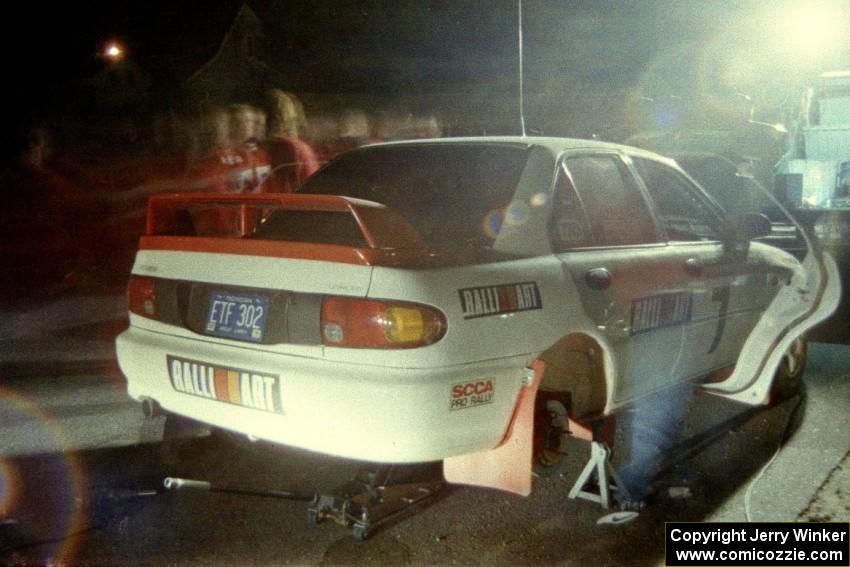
[550, 437]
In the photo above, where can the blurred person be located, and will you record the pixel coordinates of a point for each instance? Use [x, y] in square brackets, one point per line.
[354, 129]
[260, 125]
[247, 130]
[388, 125]
[242, 123]
[230, 159]
[216, 129]
[320, 129]
[410, 126]
[293, 160]
[428, 127]
[217, 161]
[668, 113]
[656, 427]
[756, 146]
[722, 125]
[45, 227]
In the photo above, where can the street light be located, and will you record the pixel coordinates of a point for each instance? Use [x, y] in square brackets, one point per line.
[114, 51]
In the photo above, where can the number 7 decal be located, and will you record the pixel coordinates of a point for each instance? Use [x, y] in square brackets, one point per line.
[720, 294]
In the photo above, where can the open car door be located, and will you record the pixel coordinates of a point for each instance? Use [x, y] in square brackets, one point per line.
[812, 294]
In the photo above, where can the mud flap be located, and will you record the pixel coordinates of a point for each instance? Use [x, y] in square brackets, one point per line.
[811, 296]
[508, 466]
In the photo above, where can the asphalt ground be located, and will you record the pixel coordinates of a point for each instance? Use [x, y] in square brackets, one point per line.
[81, 473]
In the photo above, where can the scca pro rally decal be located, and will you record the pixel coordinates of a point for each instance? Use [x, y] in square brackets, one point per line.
[499, 299]
[658, 311]
[231, 385]
[471, 394]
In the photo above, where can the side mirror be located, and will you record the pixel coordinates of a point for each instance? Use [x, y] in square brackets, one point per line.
[749, 226]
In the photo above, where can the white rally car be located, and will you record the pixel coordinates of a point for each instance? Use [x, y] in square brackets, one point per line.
[390, 311]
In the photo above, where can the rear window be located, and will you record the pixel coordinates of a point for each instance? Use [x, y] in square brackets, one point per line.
[452, 194]
[317, 227]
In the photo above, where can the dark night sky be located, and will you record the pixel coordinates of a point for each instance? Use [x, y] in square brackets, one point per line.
[62, 40]
[49, 46]
[655, 46]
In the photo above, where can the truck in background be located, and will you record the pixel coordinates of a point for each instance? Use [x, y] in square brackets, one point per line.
[814, 174]
[813, 181]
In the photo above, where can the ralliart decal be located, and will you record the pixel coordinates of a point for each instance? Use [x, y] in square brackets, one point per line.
[240, 387]
[659, 311]
[499, 299]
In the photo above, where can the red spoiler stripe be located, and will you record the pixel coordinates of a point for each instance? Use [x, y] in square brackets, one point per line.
[399, 258]
[292, 200]
[264, 248]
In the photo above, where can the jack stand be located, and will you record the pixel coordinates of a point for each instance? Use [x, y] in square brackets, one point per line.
[371, 500]
[606, 477]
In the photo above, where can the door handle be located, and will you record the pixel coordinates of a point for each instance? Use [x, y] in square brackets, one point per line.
[693, 267]
[598, 278]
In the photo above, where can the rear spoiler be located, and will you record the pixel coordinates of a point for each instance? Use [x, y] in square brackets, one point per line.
[391, 240]
[382, 227]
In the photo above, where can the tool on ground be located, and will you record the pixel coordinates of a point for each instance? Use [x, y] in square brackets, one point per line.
[372, 499]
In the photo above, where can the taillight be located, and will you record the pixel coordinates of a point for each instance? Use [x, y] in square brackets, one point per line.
[366, 323]
[141, 296]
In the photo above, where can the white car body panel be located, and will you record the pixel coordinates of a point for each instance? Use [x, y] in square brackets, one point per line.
[399, 405]
[365, 412]
[253, 271]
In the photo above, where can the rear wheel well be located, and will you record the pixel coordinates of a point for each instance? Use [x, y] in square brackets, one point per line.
[573, 386]
[575, 373]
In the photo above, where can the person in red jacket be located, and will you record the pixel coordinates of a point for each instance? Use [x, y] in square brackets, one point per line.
[232, 160]
[247, 125]
[46, 222]
[232, 163]
[211, 171]
[292, 159]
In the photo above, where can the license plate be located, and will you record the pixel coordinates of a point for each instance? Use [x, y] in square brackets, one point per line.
[237, 386]
[237, 316]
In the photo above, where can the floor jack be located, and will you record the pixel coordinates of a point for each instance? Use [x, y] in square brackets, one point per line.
[364, 504]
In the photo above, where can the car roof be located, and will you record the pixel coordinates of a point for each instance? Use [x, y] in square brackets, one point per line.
[554, 144]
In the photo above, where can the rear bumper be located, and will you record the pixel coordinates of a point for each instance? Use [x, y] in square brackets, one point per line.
[372, 413]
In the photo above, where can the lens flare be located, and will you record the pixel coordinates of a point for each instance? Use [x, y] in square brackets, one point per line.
[516, 213]
[813, 28]
[41, 481]
[492, 224]
[538, 200]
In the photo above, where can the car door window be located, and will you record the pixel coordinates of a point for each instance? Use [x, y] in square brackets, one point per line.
[570, 228]
[686, 215]
[617, 212]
